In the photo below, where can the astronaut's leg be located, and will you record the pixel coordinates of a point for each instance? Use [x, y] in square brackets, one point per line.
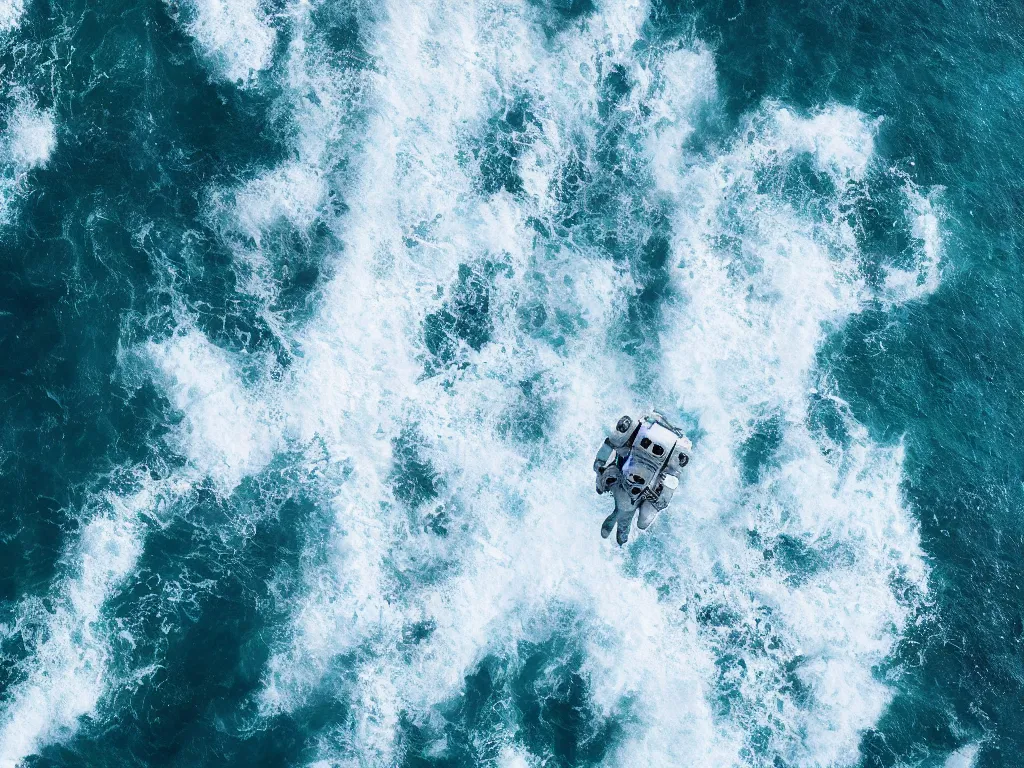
[621, 517]
[624, 521]
[608, 524]
[647, 514]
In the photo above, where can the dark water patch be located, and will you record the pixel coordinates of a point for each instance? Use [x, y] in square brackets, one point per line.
[615, 86]
[556, 16]
[538, 700]
[878, 214]
[199, 610]
[340, 28]
[300, 290]
[602, 184]
[801, 52]
[419, 631]
[66, 415]
[183, 131]
[716, 615]
[550, 324]
[533, 317]
[740, 639]
[827, 421]
[800, 182]
[530, 416]
[157, 98]
[574, 177]
[797, 560]
[546, 308]
[758, 450]
[800, 561]
[439, 521]
[640, 332]
[477, 711]
[415, 480]
[288, 270]
[947, 378]
[497, 152]
[416, 484]
[140, 131]
[464, 318]
[556, 717]
[36, 527]
[650, 270]
[463, 321]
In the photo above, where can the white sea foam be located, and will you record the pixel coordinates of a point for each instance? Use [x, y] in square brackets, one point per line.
[27, 143]
[730, 351]
[373, 378]
[293, 193]
[965, 757]
[923, 279]
[840, 139]
[235, 34]
[484, 608]
[341, 389]
[685, 82]
[752, 320]
[11, 12]
[31, 136]
[225, 433]
[516, 758]
[323, 103]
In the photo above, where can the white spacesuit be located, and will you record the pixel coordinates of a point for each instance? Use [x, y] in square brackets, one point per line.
[640, 465]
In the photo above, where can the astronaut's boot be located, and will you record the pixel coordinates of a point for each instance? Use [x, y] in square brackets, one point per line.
[607, 525]
[647, 514]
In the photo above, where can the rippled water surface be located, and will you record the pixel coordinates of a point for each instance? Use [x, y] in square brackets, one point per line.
[314, 312]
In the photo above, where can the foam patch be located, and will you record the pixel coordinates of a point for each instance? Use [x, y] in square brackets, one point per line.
[236, 36]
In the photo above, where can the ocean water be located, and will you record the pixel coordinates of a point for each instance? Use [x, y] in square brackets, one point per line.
[314, 312]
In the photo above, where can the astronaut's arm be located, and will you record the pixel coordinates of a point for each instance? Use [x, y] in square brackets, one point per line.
[615, 447]
[603, 454]
[622, 436]
[618, 442]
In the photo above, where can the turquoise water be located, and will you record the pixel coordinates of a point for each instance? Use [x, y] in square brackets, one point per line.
[313, 315]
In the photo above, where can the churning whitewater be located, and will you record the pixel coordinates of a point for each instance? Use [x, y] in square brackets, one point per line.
[478, 234]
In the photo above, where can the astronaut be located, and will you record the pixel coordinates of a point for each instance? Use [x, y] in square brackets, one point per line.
[640, 465]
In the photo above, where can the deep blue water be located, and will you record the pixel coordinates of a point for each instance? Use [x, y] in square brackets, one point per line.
[312, 315]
